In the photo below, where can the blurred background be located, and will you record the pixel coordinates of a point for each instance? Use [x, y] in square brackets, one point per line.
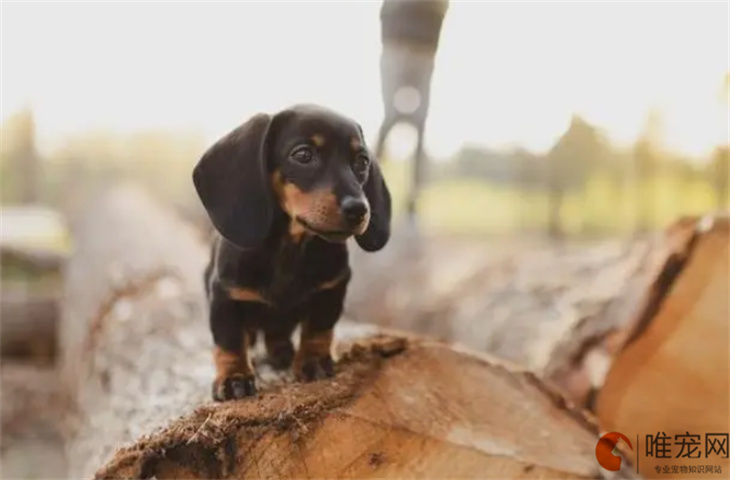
[558, 137]
[601, 118]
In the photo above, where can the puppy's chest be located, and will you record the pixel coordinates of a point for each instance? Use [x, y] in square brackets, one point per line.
[287, 275]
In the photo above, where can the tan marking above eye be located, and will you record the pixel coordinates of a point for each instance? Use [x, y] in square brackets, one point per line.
[318, 140]
[355, 144]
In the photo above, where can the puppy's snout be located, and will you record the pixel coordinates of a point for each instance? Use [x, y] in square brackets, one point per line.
[353, 210]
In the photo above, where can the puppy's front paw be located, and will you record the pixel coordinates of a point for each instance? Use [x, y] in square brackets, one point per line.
[309, 368]
[234, 387]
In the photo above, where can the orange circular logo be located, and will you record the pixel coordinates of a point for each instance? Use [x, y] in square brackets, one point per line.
[604, 450]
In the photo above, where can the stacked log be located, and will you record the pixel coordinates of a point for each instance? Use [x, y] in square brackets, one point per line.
[136, 366]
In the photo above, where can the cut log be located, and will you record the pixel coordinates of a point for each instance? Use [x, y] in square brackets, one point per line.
[31, 406]
[29, 324]
[671, 371]
[137, 364]
[427, 411]
[33, 245]
[133, 343]
[550, 308]
[579, 361]
[30, 398]
[32, 259]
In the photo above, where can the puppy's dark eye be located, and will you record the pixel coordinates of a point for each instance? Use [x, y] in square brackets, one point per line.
[360, 164]
[303, 155]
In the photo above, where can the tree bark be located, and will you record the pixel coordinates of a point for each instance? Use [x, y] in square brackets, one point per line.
[132, 340]
[541, 306]
[578, 362]
[136, 364]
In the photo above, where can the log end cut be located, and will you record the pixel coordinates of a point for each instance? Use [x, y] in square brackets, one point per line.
[671, 376]
[397, 408]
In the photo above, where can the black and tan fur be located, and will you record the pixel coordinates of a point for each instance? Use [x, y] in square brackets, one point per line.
[285, 192]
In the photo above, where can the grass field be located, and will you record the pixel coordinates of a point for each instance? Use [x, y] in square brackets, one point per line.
[474, 206]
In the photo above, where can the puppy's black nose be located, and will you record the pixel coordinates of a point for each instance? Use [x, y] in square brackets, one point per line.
[353, 209]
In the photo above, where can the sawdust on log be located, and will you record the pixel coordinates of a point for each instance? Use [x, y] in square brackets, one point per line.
[213, 440]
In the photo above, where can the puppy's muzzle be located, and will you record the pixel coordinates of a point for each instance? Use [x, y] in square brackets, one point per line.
[354, 211]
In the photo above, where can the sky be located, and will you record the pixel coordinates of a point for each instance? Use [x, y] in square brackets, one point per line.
[507, 74]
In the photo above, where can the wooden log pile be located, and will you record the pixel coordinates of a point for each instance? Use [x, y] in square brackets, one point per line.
[670, 365]
[135, 369]
[136, 365]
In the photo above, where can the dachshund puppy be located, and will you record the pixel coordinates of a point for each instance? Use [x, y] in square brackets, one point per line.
[285, 192]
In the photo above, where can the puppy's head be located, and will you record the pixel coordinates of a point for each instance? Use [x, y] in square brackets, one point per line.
[308, 161]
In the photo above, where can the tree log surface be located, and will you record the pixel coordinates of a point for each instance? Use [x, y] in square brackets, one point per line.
[545, 302]
[136, 364]
[670, 372]
[133, 341]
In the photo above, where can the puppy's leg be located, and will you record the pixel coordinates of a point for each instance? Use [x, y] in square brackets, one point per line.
[279, 346]
[231, 323]
[313, 360]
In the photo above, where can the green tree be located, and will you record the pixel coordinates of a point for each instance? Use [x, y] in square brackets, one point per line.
[576, 154]
[648, 164]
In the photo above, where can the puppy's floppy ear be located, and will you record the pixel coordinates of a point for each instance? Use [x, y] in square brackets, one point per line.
[378, 232]
[232, 183]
